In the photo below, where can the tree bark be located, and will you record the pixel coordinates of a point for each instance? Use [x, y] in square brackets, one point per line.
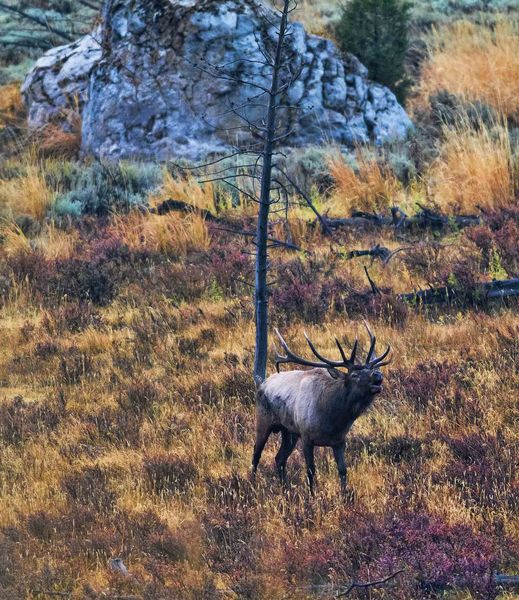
[261, 286]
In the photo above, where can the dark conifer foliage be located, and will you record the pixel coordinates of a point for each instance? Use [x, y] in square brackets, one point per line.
[376, 31]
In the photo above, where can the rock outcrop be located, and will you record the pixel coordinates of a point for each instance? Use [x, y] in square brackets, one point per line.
[146, 88]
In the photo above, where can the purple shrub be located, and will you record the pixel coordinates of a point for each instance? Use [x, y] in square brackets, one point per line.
[168, 474]
[84, 281]
[90, 487]
[20, 420]
[305, 290]
[482, 468]
[299, 300]
[438, 555]
[428, 381]
[435, 556]
[230, 267]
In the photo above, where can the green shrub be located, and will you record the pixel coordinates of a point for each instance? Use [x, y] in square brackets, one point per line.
[101, 188]
[376, 31]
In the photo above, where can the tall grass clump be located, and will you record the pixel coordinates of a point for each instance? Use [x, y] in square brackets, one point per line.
[187, 190]
[11, 104]
[476, 62]
[369, 187]
[173, 234]
[27, 194]
[475, 168]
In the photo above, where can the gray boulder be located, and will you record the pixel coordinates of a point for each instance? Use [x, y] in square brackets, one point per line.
[58, 83]
[146, 86]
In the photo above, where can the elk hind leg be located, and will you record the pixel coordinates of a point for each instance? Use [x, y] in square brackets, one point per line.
[308, 451]
[288, 443]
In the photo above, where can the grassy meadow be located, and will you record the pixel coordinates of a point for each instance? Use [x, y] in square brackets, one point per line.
[126, 395]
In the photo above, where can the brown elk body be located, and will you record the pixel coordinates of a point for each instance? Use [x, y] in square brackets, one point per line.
[318, 406]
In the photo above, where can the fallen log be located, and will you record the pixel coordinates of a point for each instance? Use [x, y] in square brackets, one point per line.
[482, 293]
[425, 219]
[506, 580]
[170, 205]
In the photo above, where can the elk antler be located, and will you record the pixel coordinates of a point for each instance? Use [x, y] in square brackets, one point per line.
[326, 363]
[372, 360]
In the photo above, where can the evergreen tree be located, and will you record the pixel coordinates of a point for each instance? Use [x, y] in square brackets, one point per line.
[376, 31]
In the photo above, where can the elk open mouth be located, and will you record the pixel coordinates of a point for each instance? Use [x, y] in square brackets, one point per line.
[375, 389]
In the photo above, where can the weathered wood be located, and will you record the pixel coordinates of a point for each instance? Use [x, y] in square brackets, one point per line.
[506, 580]
[171, 205]
[425, 219]
[482, 293]
[377, 251]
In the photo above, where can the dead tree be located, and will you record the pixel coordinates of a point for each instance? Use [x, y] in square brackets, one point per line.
[268, 183]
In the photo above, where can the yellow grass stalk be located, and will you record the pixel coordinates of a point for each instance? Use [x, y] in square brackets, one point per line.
[174, 233]
[475, 168]
[188, 190]
[371, 187]
[11, 104]
[27, 194]
[14, 240]
[476, 62]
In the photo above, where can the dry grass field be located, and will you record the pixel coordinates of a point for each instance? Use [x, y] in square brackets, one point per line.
[126, 395]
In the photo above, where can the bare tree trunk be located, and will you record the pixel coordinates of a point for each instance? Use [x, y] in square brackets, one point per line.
[261, 286]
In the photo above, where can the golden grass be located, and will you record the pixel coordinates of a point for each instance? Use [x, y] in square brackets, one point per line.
[11, 104]
[56, 244]
[213, 434]
[14, 239]
[187, 189]
[53, 141]
[370, 187]
[310, 14]
[28, 194]
[476, 62]
[171, 234]
[475, 168]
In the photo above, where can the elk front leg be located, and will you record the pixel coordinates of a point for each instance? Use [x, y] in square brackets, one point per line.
[263, 431]
[308, 451]
[338, 453]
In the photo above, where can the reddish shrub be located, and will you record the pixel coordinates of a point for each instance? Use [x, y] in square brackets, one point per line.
[20, 420]
[229, 533]
[41, 525]
[114, 427]
[435, 556]
[230, 267]
[139, 395]
[73, 317]
[425, 382]
[84, 281]
[32, 268]
[438, 555]
[483, 469]
[90, 487]
[74, 365]
[168, 474]
[398, 449]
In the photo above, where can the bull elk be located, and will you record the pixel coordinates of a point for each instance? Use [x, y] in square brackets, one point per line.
[318, 405]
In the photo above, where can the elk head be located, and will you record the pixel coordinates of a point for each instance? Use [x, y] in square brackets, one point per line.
[361, 379]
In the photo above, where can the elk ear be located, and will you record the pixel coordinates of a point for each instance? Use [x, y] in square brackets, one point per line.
[335, 373]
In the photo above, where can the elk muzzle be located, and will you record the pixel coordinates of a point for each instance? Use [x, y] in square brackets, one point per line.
[376, 380]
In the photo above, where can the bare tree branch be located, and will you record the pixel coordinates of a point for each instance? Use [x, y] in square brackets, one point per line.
[41, 22]
[368, 584]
